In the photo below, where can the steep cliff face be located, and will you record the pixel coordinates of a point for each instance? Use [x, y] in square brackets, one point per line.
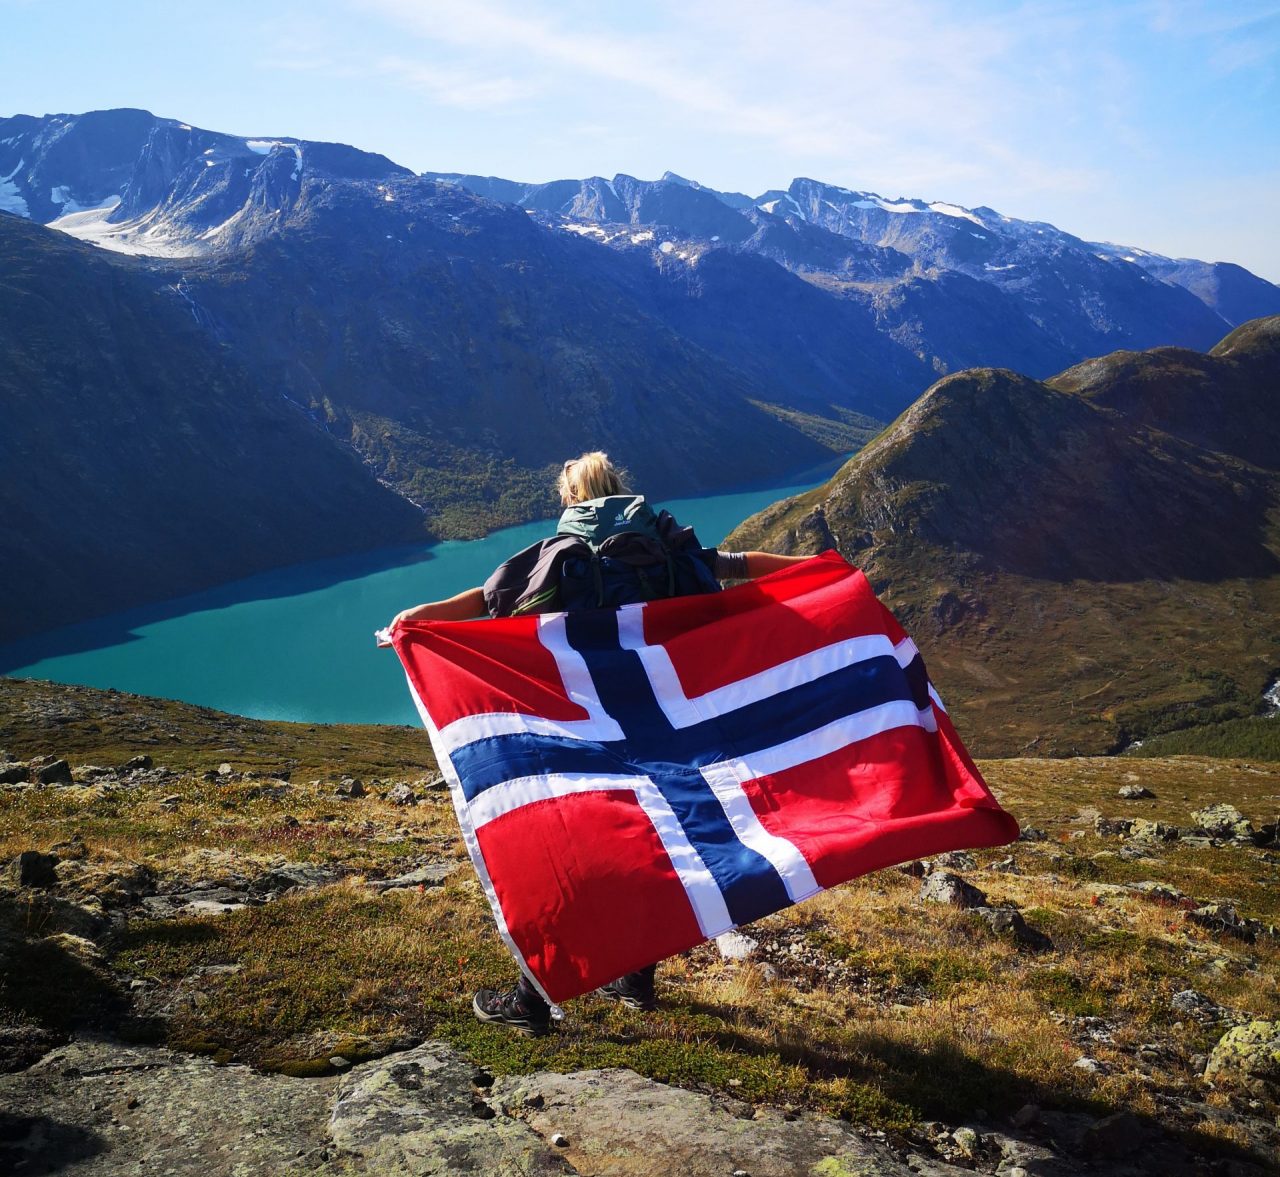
[1086, 560]
[141, 460]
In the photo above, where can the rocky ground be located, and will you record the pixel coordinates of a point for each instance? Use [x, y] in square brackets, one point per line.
[223, 951]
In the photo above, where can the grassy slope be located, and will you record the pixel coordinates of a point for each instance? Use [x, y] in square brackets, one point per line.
[884, 1010]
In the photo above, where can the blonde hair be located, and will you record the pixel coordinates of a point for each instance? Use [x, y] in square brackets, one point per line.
[591, 476]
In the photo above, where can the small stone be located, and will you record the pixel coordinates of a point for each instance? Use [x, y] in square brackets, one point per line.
[13, 774]
[1135, 792]
[433, 784]
[171, 802]
[57, 773]
[741, 1173]
[1008, 866]
[224, 769]
[769, 971]
[339, 1062]
[559, 1140]
[1016, 1171]
[1089, 1065]
[136, 764]
[735, 946]
[735, 1082]
[402, 795]
[942, 886]
[1144, 830]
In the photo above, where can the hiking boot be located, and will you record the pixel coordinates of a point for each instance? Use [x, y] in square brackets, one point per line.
[635, 990]
[509, 1009]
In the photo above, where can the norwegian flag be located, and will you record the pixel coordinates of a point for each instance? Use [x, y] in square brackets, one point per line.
[630, 783]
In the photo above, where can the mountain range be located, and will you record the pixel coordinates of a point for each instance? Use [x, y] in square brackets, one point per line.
[444, 341]
[1085, 561]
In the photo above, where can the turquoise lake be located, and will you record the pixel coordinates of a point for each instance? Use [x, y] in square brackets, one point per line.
[297, 643]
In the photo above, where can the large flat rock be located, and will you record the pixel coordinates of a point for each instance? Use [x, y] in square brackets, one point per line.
[106, 1109]
[618, 1124]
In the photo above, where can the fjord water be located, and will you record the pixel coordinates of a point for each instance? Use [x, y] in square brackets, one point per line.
[297, 643]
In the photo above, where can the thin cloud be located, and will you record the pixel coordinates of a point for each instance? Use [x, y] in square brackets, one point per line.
[455, 86]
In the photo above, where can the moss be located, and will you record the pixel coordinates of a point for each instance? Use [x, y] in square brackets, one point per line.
[311, 1068]
[1069, 993]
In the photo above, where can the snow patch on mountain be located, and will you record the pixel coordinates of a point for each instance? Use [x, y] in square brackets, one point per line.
[11, 198]
[266, 146]
[132, 237]
[954, 210]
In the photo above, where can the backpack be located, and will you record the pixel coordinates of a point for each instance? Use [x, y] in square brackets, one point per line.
[606, 552]
[632, 555]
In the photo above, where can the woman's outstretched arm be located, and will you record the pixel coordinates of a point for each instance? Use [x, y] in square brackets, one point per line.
[762, 563]
[461, 607]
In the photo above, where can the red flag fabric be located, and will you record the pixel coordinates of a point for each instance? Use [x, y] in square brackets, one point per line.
[631, 782]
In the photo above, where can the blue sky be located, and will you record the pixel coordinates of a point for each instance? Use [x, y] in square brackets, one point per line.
[1153, 123]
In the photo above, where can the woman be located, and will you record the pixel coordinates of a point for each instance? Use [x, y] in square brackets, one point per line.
[610, 548]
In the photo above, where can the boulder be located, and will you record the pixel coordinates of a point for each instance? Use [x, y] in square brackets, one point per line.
[1135, 792]
[14, 774]
[1248, 1056]
[291, 875]
[941, 886]
[349, 787]
[1110, 827]
[33, 869]
[953, 860]
[1114, 1136]
[1142, 829]
[735, 945]
[57, 773]
[1008, 922]
[1223, 917]
[1225, 822]
[431, 875]
[1156, 891]
[416, 1112]
[1191, 1004]
[136, 763]
[401, 794]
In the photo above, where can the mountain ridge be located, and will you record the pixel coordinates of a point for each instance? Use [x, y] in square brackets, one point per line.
[1083, 566]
